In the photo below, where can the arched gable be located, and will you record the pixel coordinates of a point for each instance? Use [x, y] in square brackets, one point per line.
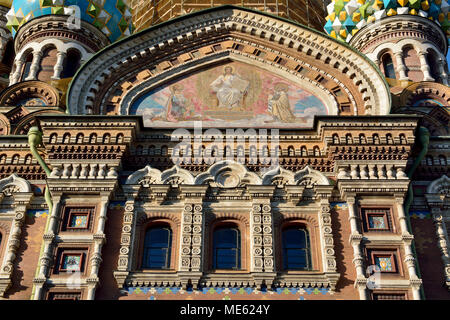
[344, 80]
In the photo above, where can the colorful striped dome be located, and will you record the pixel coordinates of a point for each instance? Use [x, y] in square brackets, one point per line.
[346, 17]
[112, 17]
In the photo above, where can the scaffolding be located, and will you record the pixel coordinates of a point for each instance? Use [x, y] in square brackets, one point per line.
[150, 12]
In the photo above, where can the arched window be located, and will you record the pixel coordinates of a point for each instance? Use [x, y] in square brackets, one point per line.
[362, 138]
[316, 151]
[304, 151]
[348, 138]
[335, 138]
[296, 255]
[151, 150]
[66, 138]
[442, 160]
[27, 66]
[227, 248]
[106, 138]
[291, 151]
[388, 66]
[429, 160]
[164, 151]
[93, 138]
[28, 159]
[402, 139]
[3, 159]
[139, 150]
[376, 138]
[119, 138]
[80, 138]
[157, 248]
[53, 138]
[389, 139]
[15, 159]
[71, 64]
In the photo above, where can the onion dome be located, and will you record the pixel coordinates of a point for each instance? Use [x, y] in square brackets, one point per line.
[112, 17]
[346, 17]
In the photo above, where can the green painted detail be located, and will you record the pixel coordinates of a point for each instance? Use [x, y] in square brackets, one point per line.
[34, 140]
[121, 6]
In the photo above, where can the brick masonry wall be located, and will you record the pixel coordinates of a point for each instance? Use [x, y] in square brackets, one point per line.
[27, 256]
[429, 256]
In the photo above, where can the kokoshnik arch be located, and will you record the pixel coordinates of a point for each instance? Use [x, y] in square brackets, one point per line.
[360, 181]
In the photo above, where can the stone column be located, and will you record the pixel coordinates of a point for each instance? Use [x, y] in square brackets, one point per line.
[127, 236]
[47, 256]
[443, 241]
[409, 256]
[21, 202]
[37, 55]
[355, 241]
[424, 66]
[99, 240]
[60, 56]
[401, 68]
[17, 72]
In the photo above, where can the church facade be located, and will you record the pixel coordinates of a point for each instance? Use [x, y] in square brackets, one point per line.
[276, 150]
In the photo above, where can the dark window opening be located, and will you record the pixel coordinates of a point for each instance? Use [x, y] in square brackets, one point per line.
[227, 249]
[157, 248]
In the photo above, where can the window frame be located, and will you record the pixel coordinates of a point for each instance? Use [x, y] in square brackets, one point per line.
[213, 264]
[392, 253]
[62, 252]
[309, 259]
[365, 213]
[170, 248]
[68, 214]
[380, 293]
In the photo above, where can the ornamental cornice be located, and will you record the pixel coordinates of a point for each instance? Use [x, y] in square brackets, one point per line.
[417, 26]
[341, 59]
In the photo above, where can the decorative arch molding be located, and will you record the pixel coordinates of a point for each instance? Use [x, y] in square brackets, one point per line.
[440, 186]
[142, 87]
[13, 95]
[149, 175]
[307, 177]
[151, 216]
[56, 43]
[425, 89]
[281, 218]
[141, 56]
[14, 184]
[5, 126]
[227, 174]
[218, 217]
[25, 123]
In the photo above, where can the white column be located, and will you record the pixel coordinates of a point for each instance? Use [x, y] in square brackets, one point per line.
[424, 66]
[46, 257]
[409, 256]
[60, 56]
[355, 241]
[401, 68]
[37, 55]
[16, 75]
[96, 257]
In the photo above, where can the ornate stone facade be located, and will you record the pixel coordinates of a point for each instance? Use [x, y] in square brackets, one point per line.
[225, 119]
